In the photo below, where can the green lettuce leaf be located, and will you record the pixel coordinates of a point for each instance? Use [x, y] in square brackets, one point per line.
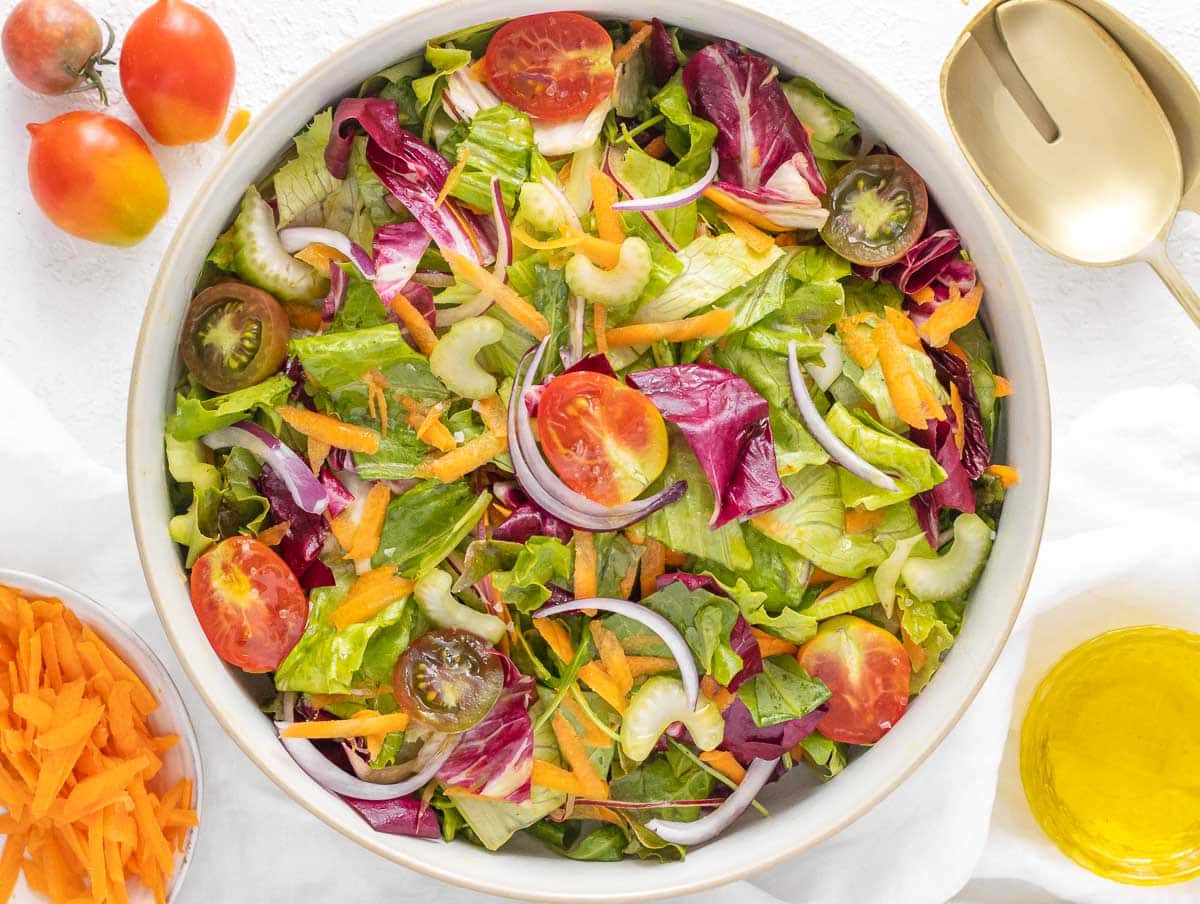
[774, 581]
[444, 61]
[303, 183]
[689, 137]
[866, 297]
[498, 142]
[705, 620]
[814, 523]
[911, 466]
[664, 776]
[242, 509]
[832, 125]
[362, 307]
[750, 302]
[615, 557]
[336, 360]
[924, 627]
[399, 453]
[425, 524]
[652, 178]
[826, 757]
[781, 692]
[195, 417]
[541, 561]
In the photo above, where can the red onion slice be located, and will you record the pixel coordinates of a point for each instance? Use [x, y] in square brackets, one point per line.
[838, 450]
[334, 779]
[613, 171]
[666, 632]
[709, 827]
[307, 492]
[677, 198]
[294, 238]
[545, 488]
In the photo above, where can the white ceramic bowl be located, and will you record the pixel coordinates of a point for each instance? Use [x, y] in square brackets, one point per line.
[171, 717]
[803, 813]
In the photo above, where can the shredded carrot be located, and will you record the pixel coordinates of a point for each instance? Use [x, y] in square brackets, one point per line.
[859, 521]
[916, 653]
[344, 526]
[303, 316]
[464, 156]
[924, 296]
[604, 196]
[592, 735]
[502, 294]
[75, 754]
[717, 693]
[556, 637]
[903, 381]
[1003, 386]
[317, 452]
[585, 565]
[272, 535]
[625, 52]
[657, 147]
[371, 593]
[465, 458]
[433, 432]
[600, 327]
[856, 340]
[319, 256]
[600, 252]
[906, 330]
[330, 430]
[711, 325]
[960, 421]
[770, 645]
[571, 747]
[547, 775]
[370, 523]
[759, 241]
[1007, 475]
[653, 565]
[835, 586]
[628, 580]
[377, 403]
[593, 675]
[952, 315]
[529, 241]
[416, 324]
[237, 125]
[612, 657]
[649, 665]
[347, 728]
[729, 203]
[725, 763]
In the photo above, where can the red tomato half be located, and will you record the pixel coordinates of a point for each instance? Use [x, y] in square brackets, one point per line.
[177, 72]
[249, 603]
[604, 439]
[867, 670]
[554, 66]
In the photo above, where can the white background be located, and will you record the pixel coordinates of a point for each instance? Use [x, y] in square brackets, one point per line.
[1120, 541]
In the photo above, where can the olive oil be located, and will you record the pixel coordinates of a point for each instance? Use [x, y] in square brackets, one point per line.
[1110, 755]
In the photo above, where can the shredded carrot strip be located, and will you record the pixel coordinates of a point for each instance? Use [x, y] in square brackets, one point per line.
[416, 324]
[857, 342]
[555, 635]
[529, 241]
[916, 653]
[732, 205]
[903, 381]
[433, 432]
[657, 147]
[604, 196]
[343, 527]
[711, 325]
[929, 400]
[547, 775]
[600, 252]
[835, 587]
[612, 657]
[859, 521]
[600, 327]
[237, 125]
[906, 330]
[377, 403]
[464, 155]
[649, 665]
[759, 241]
[960, 421]
[272, 535]
[317, 451]
[715, 692]
[491, 411]
[952, 315]
[593, 675]
[330, 430]
[723, 761]
[370, 523]
[1007, 475]
[625, 52]
[370, 594]
[585, 565]
[319, 256]
[924, 296]
[347, 728]
[502, 294]
[769, 645]
[653, 565]
[1003, 386]
[465, 458]
[571, 748]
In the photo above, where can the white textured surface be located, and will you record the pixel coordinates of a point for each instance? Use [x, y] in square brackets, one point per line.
[1122, 361]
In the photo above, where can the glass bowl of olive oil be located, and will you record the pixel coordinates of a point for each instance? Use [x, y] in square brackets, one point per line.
[1110, 755]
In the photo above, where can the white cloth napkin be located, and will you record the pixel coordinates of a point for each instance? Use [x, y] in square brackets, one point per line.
[1120, 545]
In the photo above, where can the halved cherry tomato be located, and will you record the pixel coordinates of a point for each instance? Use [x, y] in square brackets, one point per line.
[448, 679]
[878, 207]
[177, 72]
[249, 603]
[234, 336]
[604, 439]
[554, 66]
[93, 176]
[866, 669]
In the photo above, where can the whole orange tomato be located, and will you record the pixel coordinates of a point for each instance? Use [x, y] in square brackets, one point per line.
[54, 46]
[177, 72]
[94, 177]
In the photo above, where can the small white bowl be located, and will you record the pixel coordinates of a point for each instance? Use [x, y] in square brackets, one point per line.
[182, 760]
[803, 813]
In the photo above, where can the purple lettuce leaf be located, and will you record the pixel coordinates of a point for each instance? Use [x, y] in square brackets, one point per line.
[412, 171]
[747, 742]
[397, 249]
[951, 369]
[745, 644]
[932, 263]
[726, 425]
[399, 816]
[495, 757]
[527, 519]
[663, 61]
[339, 497]
[691, 582]
[757, 131]
[301, 546]
[955, 492]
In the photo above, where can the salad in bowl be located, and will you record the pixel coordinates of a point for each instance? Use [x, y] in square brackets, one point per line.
[583, 427]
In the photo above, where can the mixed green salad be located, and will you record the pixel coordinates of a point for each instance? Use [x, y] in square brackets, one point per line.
[583, 428]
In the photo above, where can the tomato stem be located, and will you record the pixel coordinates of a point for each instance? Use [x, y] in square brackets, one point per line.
[89, 72]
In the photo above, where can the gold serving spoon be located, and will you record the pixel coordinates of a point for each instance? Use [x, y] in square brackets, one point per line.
[1066, 134]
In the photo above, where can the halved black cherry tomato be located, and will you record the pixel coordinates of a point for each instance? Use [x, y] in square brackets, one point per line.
[234, 336]
[877, 210]
[448, 680]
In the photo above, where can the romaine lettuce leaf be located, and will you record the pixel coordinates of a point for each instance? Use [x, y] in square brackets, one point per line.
[426, 523]
[665, 776]
[337, 360]
[304, 182]
[651, 178]
[615, 558]
[194, 417]
[542, 561]
[912, 467]
[362, 306]
[399, 451]
[924, 628]
[497, 142]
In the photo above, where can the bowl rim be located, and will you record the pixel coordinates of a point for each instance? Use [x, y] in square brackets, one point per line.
[1034, 387]
[92, 612]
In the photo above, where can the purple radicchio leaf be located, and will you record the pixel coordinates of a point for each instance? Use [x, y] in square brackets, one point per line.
[747, 742]
[951, 369]
[663, 61]
[932, 263]
[397, 249]
[495, 757]
[757, 131]
[301, 546]
[955, 491]
[399, 816]
[726, 425]
[527, 519]
[412, 171]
